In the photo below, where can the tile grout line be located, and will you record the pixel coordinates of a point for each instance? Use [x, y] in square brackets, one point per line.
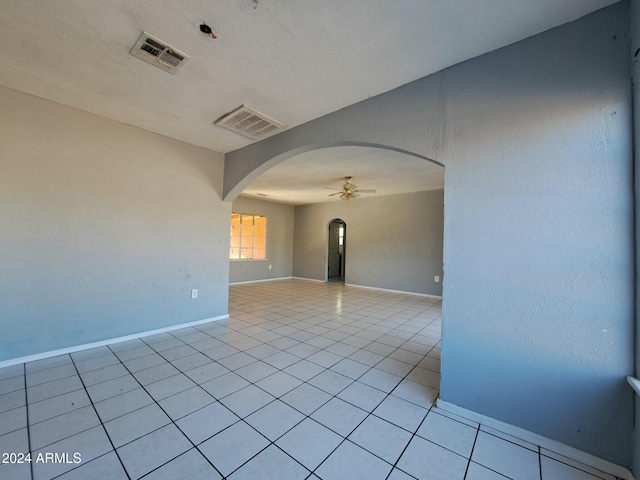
[345, 438]
[216, 399]
[101, 423]
[539, 462]
[395, 465]
[115, 353]
[26, 407]
[56, 396]
[51, 381]
[319, 407]
[360, 328]
[475, 439]
[262, 450]
[388, 356]
[171, 422]
[379, 320]
[251, 383]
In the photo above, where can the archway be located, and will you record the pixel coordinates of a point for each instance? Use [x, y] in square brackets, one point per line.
[392, 244]
[235, 181]
[395, 225]
[336, 250]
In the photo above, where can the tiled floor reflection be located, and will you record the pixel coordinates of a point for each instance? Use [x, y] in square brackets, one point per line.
[305, 380]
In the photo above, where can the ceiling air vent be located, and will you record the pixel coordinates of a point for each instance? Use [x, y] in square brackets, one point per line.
[156, 52]
[250, 123]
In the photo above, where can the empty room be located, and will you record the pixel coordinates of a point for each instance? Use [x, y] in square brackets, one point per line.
[291, 240]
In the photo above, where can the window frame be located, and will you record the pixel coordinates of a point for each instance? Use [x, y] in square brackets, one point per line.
[253, 237]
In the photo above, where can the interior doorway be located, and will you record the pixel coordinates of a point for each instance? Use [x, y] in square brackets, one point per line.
[336, 252]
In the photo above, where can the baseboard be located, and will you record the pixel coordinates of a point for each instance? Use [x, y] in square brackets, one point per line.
[394, 291]
[86, 346]
[262, 280]
[309, 279]
[544, 442]
[635, 384]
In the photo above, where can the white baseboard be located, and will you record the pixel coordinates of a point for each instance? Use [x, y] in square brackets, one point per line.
[309, 279]
[262, 280]
[394, 291]
[544, 442]
[635, 384]
[86, 346]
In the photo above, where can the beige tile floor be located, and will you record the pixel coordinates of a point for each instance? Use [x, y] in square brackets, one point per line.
[305, 380]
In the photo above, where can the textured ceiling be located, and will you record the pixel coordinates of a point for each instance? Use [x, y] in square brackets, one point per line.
[294, 60]
[300, 180]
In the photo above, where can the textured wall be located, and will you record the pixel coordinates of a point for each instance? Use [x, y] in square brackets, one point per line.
[104, 229]
[279, 242]
[538, 254]
[538, 295]
[634, 18]
[393, 242]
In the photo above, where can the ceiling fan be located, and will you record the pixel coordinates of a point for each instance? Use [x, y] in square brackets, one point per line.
[349, 191]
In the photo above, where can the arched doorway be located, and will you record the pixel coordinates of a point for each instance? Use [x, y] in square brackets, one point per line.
[336, 251]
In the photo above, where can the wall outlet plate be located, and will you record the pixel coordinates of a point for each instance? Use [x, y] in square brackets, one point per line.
[194, 293]
[436, 279]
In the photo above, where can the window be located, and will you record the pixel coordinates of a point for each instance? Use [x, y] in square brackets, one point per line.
[248, 237]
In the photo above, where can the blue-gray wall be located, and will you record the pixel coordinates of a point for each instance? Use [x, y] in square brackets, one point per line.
[393, 242]
[279, 242]
[104, 229]
[538, 255]
[538, 231]
[635, 65]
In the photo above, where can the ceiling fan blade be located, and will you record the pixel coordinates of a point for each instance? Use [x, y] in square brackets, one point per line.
[337, 193]
[366, 190]
[333, 188]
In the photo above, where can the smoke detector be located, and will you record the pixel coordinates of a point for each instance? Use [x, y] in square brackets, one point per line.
[158, 53]
[250, 123]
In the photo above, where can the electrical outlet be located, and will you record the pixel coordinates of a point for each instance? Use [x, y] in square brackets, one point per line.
[269, 267]
[194, 293]
[436, 279]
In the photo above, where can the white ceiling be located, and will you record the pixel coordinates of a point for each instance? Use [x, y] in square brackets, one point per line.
[294, 60]
[301, 179]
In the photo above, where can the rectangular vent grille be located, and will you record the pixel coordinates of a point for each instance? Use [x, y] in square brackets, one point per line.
[158, 53]
[250, 123]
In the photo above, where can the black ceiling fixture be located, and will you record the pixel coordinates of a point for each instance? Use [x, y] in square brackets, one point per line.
[206, 29]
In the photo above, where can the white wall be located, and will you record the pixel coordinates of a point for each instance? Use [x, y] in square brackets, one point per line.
[279, 242]
[104, 229]
[392, 242]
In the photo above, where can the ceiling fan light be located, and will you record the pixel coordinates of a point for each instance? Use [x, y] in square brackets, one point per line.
[348, 196]
[349, 190]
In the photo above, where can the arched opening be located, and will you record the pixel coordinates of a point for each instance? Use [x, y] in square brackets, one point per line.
[385, 245]
[396, 222]
[336, 250]
[235, 182]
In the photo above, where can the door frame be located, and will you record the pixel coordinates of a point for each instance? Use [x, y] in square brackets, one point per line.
[344, 250]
